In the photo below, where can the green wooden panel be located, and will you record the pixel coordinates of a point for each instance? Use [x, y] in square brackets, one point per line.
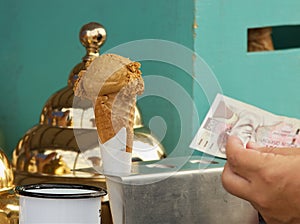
[269, 80]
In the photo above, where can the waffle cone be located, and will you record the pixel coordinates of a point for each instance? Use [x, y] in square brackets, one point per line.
[113, 112]
[112, 83]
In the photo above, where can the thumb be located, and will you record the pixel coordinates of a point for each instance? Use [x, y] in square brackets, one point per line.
[253, 145]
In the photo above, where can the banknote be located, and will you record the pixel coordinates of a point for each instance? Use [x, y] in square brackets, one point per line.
[228, 116]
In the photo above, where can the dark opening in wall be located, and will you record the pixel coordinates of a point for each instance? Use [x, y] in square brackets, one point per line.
[286, 37]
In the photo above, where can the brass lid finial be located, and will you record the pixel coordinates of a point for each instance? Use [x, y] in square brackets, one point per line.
[92, 36]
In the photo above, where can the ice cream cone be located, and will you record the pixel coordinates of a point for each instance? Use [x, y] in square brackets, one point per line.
[112, 112]
[112, 83]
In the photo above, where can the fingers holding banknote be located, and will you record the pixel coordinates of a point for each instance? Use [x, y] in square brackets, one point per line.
[275, 150]
[268, 178]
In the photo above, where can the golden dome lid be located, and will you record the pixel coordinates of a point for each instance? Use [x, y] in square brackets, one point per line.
[6, 173]
[66, 137]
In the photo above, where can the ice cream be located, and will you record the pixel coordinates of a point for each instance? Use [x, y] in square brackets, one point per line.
[112, 83]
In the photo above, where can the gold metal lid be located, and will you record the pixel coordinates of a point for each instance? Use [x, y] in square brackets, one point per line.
[66, 137]
[6, 173]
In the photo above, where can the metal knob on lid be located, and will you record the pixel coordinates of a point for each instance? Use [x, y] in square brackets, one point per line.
[92, 36]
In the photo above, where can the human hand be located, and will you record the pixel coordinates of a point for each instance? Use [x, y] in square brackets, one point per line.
[268, 178]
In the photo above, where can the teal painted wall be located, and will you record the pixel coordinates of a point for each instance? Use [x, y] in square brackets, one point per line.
[269, 80]
[40, 46]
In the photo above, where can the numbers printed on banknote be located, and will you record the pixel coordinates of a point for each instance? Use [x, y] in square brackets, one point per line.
[228, 116]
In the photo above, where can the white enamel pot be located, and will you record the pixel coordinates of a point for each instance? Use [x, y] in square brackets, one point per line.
[59, 203]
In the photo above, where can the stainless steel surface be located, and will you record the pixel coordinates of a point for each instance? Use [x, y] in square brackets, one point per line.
[193, 194]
